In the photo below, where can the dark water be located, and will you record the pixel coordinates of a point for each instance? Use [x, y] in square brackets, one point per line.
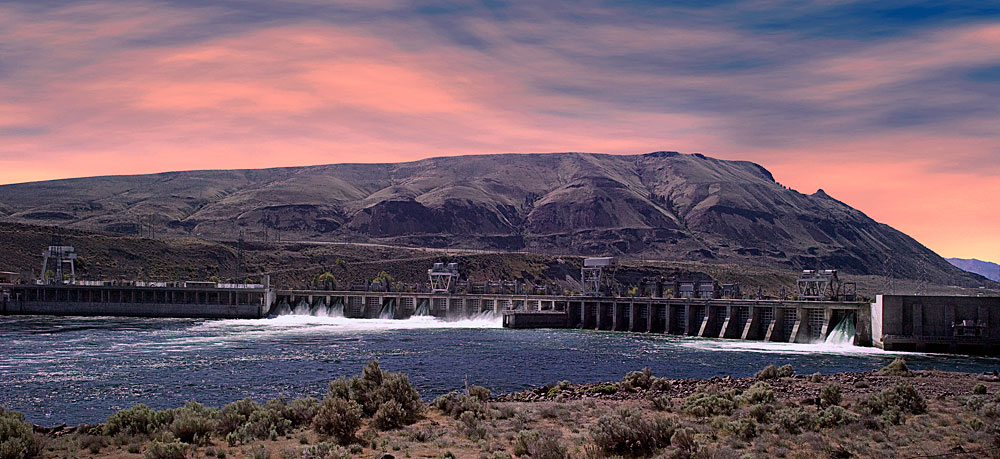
[79, 370]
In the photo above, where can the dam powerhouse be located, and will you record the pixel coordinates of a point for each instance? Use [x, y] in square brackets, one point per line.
[823, 308]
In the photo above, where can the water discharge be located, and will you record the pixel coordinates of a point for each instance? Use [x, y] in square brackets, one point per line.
[842, 334]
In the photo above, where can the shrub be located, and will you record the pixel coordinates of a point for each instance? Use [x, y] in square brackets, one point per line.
[834, 416]
[338, 418]
[471, 426]
[454, 404]
[625, 431]
[603, 388]
[376, 387]
[17, 440]
[92, 443]
[796, 420]
[768, 372]
[396, 387]
[785, 371]
[235, 414]
[896, 368]
[742, 428]
[662, 403]
[829, 395]
[637, 379]
[760, 412]
[816, 377]
[193, 423]
[263, 424]
[172, 450]
[760, 392]
[479, 393]
[704, 404]
[326, 451]
[389, 416]
[979, 389]
[137, 420]
[539, 445]
[683, 440]
[892, 403]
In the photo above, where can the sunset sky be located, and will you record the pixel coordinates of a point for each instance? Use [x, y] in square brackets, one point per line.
[891, 107]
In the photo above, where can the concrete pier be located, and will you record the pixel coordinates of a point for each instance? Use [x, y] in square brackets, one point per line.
[953, 324]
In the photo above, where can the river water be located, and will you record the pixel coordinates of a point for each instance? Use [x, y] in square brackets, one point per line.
[80, 370]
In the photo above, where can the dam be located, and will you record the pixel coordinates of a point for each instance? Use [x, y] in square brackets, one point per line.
[823, 310]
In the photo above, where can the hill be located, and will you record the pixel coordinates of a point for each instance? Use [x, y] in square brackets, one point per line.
[662, 205]
[983, 268]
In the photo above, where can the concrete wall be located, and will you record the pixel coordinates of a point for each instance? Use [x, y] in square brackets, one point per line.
[136, 310]
[936, 323]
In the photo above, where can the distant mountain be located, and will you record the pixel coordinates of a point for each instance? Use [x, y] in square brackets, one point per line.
[662, 205]
[983, 268]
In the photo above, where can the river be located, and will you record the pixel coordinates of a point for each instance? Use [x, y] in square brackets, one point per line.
[80, 370]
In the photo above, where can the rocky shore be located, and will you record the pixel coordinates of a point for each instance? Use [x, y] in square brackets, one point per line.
[891, 412]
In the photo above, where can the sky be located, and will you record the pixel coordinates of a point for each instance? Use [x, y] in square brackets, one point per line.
[892, 107]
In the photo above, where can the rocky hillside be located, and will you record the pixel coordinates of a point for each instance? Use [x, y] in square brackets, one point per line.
[661, 205]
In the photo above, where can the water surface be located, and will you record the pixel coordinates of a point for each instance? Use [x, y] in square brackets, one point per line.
[79, 370]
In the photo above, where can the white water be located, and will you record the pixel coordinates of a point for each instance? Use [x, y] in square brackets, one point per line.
[842, 334]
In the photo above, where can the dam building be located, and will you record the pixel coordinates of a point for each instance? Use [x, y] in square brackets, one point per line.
[825, 309]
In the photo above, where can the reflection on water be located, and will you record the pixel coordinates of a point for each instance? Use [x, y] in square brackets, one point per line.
[81, 369]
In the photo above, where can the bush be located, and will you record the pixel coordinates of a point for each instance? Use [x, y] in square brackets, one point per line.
[137, 420]
[235, 414]
[760, 392]
[193, 424]
[705, 404]
[479, 393]
[454, 404]
[338, 418]
[896, 368]
[662, 403]
[172, 450]
[829, 395]
[625, 431]
[603, 388]
[979, 389]
[760, 412]
[263, 424]
[768, 372]
[742, 428]
[834, 416]
[17, 439]
[637, 379]
[92, 443]
[892, 403]
[301, 411]
[326, 451]
[389, 416]
[796, 420]
[470, 426]
[683, 440]
[539, 445]
[785, 371]
[816, 377]
[376, 387]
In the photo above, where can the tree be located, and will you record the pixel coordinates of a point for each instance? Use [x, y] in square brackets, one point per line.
[325, 280]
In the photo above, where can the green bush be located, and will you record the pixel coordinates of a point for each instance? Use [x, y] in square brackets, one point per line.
[603, 388]
[471, 426]
[234, 415]
[892, 403]
[796, 420]
[302, 411]
[92, 443]
[389, 416]
[338, 418]
[829, 395]
[816, 377]
[835, 415]
[454, 404]
[376, 387]
[896, 368]
[683, 440]
[637, 379]
[545, 445]
[479, 393]
[193, 423]
[768, 372]
[625, 431]
[662, 403]
[711, 403]
[979, 389]
[326, 451]
[760, 392]
[742, 428]
[785, 371]
[760, 412]
[137, 420]
[173, 450]
[17, 440]
[263, 424]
